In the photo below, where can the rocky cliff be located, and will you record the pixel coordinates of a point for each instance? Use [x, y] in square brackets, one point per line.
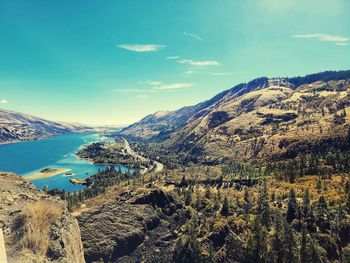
[37, 227]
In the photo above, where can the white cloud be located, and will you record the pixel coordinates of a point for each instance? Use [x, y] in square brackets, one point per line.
[190, 72]
[3, 101]
[157, 85]
[141, 48]
[142, 96]
[221, 73]
[193, 36]
[172, 57]
[338, 40]
[198, 63]
[341, 43]
[134, 90]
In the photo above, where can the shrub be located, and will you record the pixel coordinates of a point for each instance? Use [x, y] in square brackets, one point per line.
[35, 225]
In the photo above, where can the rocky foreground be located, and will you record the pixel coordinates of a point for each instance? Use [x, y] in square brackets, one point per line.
[36, 226]
[131, 227]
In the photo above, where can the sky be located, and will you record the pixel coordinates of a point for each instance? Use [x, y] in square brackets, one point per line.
[114, 62]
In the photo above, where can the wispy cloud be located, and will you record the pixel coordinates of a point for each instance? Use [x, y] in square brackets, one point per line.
[172, 57]
[337, 40]
[193, 36]
[157, 85]
[198, 63]
[221, 73]
[142, 96]
[190, 72]
[141, 47]
[135, 90]
[2, 101]
[341, 43]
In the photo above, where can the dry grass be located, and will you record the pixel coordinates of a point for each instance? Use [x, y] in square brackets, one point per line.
[36, 223]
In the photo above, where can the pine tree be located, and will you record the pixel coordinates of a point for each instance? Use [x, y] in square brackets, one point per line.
[264, 207]
[292, 206]
[290, 246]
[347, 187]
[315, 256]
[188, 197]
[306, 202]
[348, 201]
[304, 247]
[259, 242]
[225, 207]
[247, 201]
[207, 192]
[277, 239]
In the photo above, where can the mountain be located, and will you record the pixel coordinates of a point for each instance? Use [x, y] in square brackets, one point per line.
[262, 119]
[15, 126]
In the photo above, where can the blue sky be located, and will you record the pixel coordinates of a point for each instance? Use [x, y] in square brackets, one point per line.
[113, 62]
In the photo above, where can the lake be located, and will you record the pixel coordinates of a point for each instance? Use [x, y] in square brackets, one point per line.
[25, 158]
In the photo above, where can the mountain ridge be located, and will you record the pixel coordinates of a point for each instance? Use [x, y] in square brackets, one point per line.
[249, 116]
[16, 126]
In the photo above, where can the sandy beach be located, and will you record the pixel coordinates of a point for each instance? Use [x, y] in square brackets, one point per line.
[46, 174]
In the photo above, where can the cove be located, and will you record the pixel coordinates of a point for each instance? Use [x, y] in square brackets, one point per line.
[27, 157]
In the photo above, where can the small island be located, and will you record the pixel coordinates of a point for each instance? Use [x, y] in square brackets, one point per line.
[77, 181]
[69, 174]
[46, 173]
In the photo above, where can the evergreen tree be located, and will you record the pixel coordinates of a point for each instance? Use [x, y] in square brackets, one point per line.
[348, 201]
[259, 242]
[247, 201]
[277, 239]
[188, 197]
[264, 207]
[292, 206]
[306, 202]
[304, 247]
[315, 256]
[207, 192]
[347, 187]
[290, 246]
[225, 207]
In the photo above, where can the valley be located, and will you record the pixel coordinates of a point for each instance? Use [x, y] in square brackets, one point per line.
[259, 173]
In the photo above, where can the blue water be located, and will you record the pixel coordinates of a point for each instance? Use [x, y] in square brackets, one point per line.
[57, 152]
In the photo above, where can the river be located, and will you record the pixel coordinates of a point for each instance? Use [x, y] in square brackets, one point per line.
[28, 157]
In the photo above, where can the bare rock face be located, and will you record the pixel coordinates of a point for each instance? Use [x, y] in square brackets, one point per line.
[129, 229]
[36, 226]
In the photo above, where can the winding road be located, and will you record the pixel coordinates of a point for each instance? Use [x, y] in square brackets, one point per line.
[158, 166]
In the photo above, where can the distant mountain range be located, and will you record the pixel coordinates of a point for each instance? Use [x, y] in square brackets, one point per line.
[15, 126]
[261, 119]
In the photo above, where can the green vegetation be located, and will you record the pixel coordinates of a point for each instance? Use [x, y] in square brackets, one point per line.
[96, 185]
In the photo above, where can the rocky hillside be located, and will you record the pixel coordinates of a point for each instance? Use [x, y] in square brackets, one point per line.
[15, 126]
[252, 120]
[37, 227]
[133, 226]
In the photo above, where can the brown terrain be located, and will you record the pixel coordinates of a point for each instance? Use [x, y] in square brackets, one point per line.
[37, 227]
[262, 119]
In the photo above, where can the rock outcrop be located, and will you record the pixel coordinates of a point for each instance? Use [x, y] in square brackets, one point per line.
[131, 228]
[37, 227]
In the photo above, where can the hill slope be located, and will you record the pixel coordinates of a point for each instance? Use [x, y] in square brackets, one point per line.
[252, 120]
[15, 126]
[37, 227]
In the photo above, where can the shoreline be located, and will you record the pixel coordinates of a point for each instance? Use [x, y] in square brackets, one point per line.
[48, 174]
